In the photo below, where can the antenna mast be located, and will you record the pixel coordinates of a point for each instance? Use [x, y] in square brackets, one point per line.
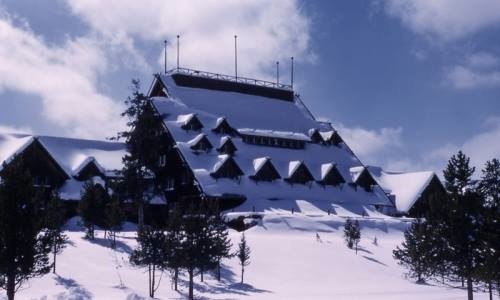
[236, 57]
[277, 73]
[178, 36]
[292, 72]
[165, 50]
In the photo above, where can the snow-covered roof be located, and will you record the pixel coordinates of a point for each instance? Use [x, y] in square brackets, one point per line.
[11, 145]
[293, 166]
[325, 169]
[356, 172]
[257, 115]
[406, 186]
[86, 162]
[259, 162]
[71, 153]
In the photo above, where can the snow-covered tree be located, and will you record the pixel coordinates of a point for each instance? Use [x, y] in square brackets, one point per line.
[243, 255]
[23, 246]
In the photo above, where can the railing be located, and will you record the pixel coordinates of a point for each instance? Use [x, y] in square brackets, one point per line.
[236, 79]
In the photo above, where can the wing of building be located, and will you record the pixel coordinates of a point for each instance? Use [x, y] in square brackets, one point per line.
[249, 141]
[411, 192]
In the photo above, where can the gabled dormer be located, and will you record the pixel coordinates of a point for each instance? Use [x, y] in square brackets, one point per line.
[227, 146]
[190, 122]
[226, 167]
[200, 143]
[362, 177]
[88, 168]
[157, 89]
[264, 170]
[298, 173]
[315, 136]
[331, 138]
[330, 175]
[222, 127]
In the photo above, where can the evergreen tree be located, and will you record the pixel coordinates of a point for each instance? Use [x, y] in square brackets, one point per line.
[414, 251]
[221, 242]
[54, 220]
[490, 183]
[174, 251]
[142, 176]
[114, 219]
[352, 234]
[24, 248]
[150, 253]
[458, 174]
[91, 206]
[243, 255]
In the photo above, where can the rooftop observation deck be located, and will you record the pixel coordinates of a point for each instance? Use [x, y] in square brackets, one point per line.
[214, 81]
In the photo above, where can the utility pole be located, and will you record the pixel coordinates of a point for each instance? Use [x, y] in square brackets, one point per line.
[277, 73]
[178, 36]
[165, 49]
[292, 72]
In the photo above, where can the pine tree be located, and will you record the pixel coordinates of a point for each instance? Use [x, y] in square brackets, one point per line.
[114, 219]
[243, 255]
[352, 234]
[54, 220]
[174, 250]
[150, 253]
[414, 251]
[91, 206]
[24, 248]
[490, 183]
[221, 242]
[462, 222]
[142, 176]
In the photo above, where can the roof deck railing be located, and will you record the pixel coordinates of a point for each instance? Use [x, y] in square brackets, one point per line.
[236, 79]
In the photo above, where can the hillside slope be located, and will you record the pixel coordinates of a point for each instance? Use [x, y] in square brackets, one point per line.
[287, 262]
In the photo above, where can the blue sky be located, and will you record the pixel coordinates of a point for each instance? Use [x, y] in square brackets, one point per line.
[407, 82]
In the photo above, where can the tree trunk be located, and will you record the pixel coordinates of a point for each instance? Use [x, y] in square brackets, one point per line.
[490, 290]
[54, 265]
[11, 286]
[470, 292]
[149, 279]
[153, 284]
[218, 271]
[176, 277]
[190, 271]
[201, 273]
[242, 272]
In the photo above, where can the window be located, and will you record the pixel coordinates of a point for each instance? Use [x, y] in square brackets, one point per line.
[162, 161]
[169, 184]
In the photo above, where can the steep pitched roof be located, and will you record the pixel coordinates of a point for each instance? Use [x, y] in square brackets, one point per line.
[406, 186]
[256, 115]
[264, 170]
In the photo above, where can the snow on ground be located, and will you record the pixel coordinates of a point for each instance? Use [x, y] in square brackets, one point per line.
[287, 262]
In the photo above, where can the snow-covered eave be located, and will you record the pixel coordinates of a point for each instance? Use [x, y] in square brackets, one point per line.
[274, 134]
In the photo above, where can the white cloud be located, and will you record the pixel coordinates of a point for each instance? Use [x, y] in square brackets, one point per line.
[64, 77]
[477, 70]
[445, 19]
[267, 30]
[372, 146]
[12, 129]
[480, 147]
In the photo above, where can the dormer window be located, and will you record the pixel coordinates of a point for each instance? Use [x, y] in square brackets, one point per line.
[222, 127]
[362, 177]
[200, 143]
[227, 146]
[264, 170]
[190, 122]
[330, 175]
[315, 136]
[226, 167]
[298, 173]
[331, 138]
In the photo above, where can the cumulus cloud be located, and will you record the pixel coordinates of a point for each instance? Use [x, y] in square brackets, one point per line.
[446, 20]
[480, 147]
[267, 30]
[477, 70]
[64, 77]
[372, 146]
[12, 129]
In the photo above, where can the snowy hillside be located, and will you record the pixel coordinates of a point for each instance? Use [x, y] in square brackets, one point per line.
[287, 262]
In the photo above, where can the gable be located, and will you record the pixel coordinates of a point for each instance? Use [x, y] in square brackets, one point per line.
[228, 168]
[300, 174]
[265, 171]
